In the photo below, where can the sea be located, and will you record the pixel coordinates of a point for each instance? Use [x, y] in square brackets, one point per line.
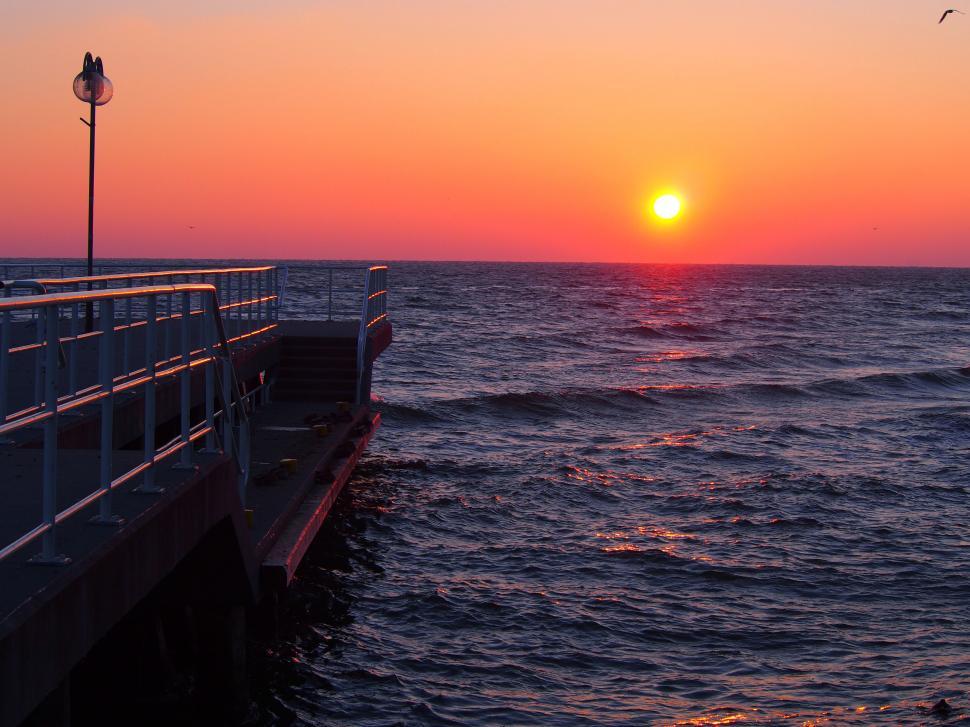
[646, 495]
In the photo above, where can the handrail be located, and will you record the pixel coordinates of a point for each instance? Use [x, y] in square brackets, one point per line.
[85, 296]
[335, 294]
[241, 452]
[35, 285]
[213, 344]
[373, 311]
[153, 274]
[251, 305]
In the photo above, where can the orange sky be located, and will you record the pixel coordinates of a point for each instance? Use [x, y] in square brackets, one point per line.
[527, 130]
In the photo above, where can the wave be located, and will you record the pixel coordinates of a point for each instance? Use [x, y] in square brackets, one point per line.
[644, 332]
[944, 315]
[775, 356]
[580, 402]
[895, 383]
[406, 413]
[684, 331]
[557, 402]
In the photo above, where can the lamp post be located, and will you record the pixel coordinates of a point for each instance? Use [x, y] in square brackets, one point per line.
[92, 87]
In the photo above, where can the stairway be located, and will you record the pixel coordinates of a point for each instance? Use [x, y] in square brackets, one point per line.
[317, 369]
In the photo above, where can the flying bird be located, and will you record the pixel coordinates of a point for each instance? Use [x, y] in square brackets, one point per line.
[951, 10]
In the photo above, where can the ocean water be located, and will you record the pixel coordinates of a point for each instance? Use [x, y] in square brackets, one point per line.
[634, 494]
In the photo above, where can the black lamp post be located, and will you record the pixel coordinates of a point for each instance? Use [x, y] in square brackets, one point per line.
[92, 87]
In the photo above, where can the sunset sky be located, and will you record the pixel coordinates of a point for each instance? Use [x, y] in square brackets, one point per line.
[525, 130]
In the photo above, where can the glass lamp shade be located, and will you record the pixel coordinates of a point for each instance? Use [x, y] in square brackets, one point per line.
[91, 84]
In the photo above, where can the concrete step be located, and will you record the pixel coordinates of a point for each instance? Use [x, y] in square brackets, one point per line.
[313, 366]
[323, 397]
[319, 363]
[315, 376]
[342, 358]
[318, 341]
[322, 361]
[304, 374]
[289, 346]
[323, 348]
[316, 382]
[321, 394]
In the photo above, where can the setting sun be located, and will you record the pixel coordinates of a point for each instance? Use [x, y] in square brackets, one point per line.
[667, 206]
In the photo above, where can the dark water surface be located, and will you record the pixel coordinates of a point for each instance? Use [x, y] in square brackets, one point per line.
[649, 495]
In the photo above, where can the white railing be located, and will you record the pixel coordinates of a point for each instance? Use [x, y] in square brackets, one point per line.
[249, 307]
[373, 313]
[49, 269]
[188, 312]
[327, 292]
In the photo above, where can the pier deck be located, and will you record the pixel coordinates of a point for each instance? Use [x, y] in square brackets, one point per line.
[225, 543]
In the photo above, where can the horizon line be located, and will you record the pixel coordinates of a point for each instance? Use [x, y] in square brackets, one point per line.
[82, 260]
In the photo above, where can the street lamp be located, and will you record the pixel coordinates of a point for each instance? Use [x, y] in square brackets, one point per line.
[92, 87]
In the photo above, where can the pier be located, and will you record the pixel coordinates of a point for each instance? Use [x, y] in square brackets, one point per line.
[169, 441]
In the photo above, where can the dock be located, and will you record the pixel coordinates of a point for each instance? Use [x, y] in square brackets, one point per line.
[170, 442]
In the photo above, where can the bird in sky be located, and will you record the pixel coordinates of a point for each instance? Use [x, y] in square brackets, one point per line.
[951, 10]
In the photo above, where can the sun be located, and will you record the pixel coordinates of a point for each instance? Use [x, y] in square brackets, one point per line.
[667, 206]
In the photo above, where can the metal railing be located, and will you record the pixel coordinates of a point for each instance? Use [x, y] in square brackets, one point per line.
[327, 292]
[249, 307]
[78, 268]
[44, 269]
[231, 283]
[373, 313]
[189, 313]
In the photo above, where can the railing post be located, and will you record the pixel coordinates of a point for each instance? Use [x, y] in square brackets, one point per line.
[4, 363]
[208, 332]
[238, 303]
[362, 337]
[249, 307]
[243, 459]
[185, 403]
[227, 412]
[106, 365]
[124, 336]
[168, 328]
[75, 330]
[259, 300]
[276, 293]
[48, 555]
[151, 343]
[40, 320]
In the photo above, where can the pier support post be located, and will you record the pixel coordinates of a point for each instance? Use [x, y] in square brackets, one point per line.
[222, 689]
[55, 710]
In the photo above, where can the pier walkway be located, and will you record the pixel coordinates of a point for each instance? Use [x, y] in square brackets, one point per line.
[165, 431]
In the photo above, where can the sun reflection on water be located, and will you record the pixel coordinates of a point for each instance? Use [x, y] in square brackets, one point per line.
[606, 478]
[837, 715]
[682, 439]
[664, 356]
[621, 541]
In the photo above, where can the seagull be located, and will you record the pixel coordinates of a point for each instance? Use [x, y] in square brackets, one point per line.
[951, 10]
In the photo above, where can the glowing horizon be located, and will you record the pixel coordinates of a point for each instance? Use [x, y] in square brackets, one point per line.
[494, 132]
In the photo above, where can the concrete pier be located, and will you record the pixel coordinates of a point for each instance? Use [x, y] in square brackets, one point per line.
[200, 547]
